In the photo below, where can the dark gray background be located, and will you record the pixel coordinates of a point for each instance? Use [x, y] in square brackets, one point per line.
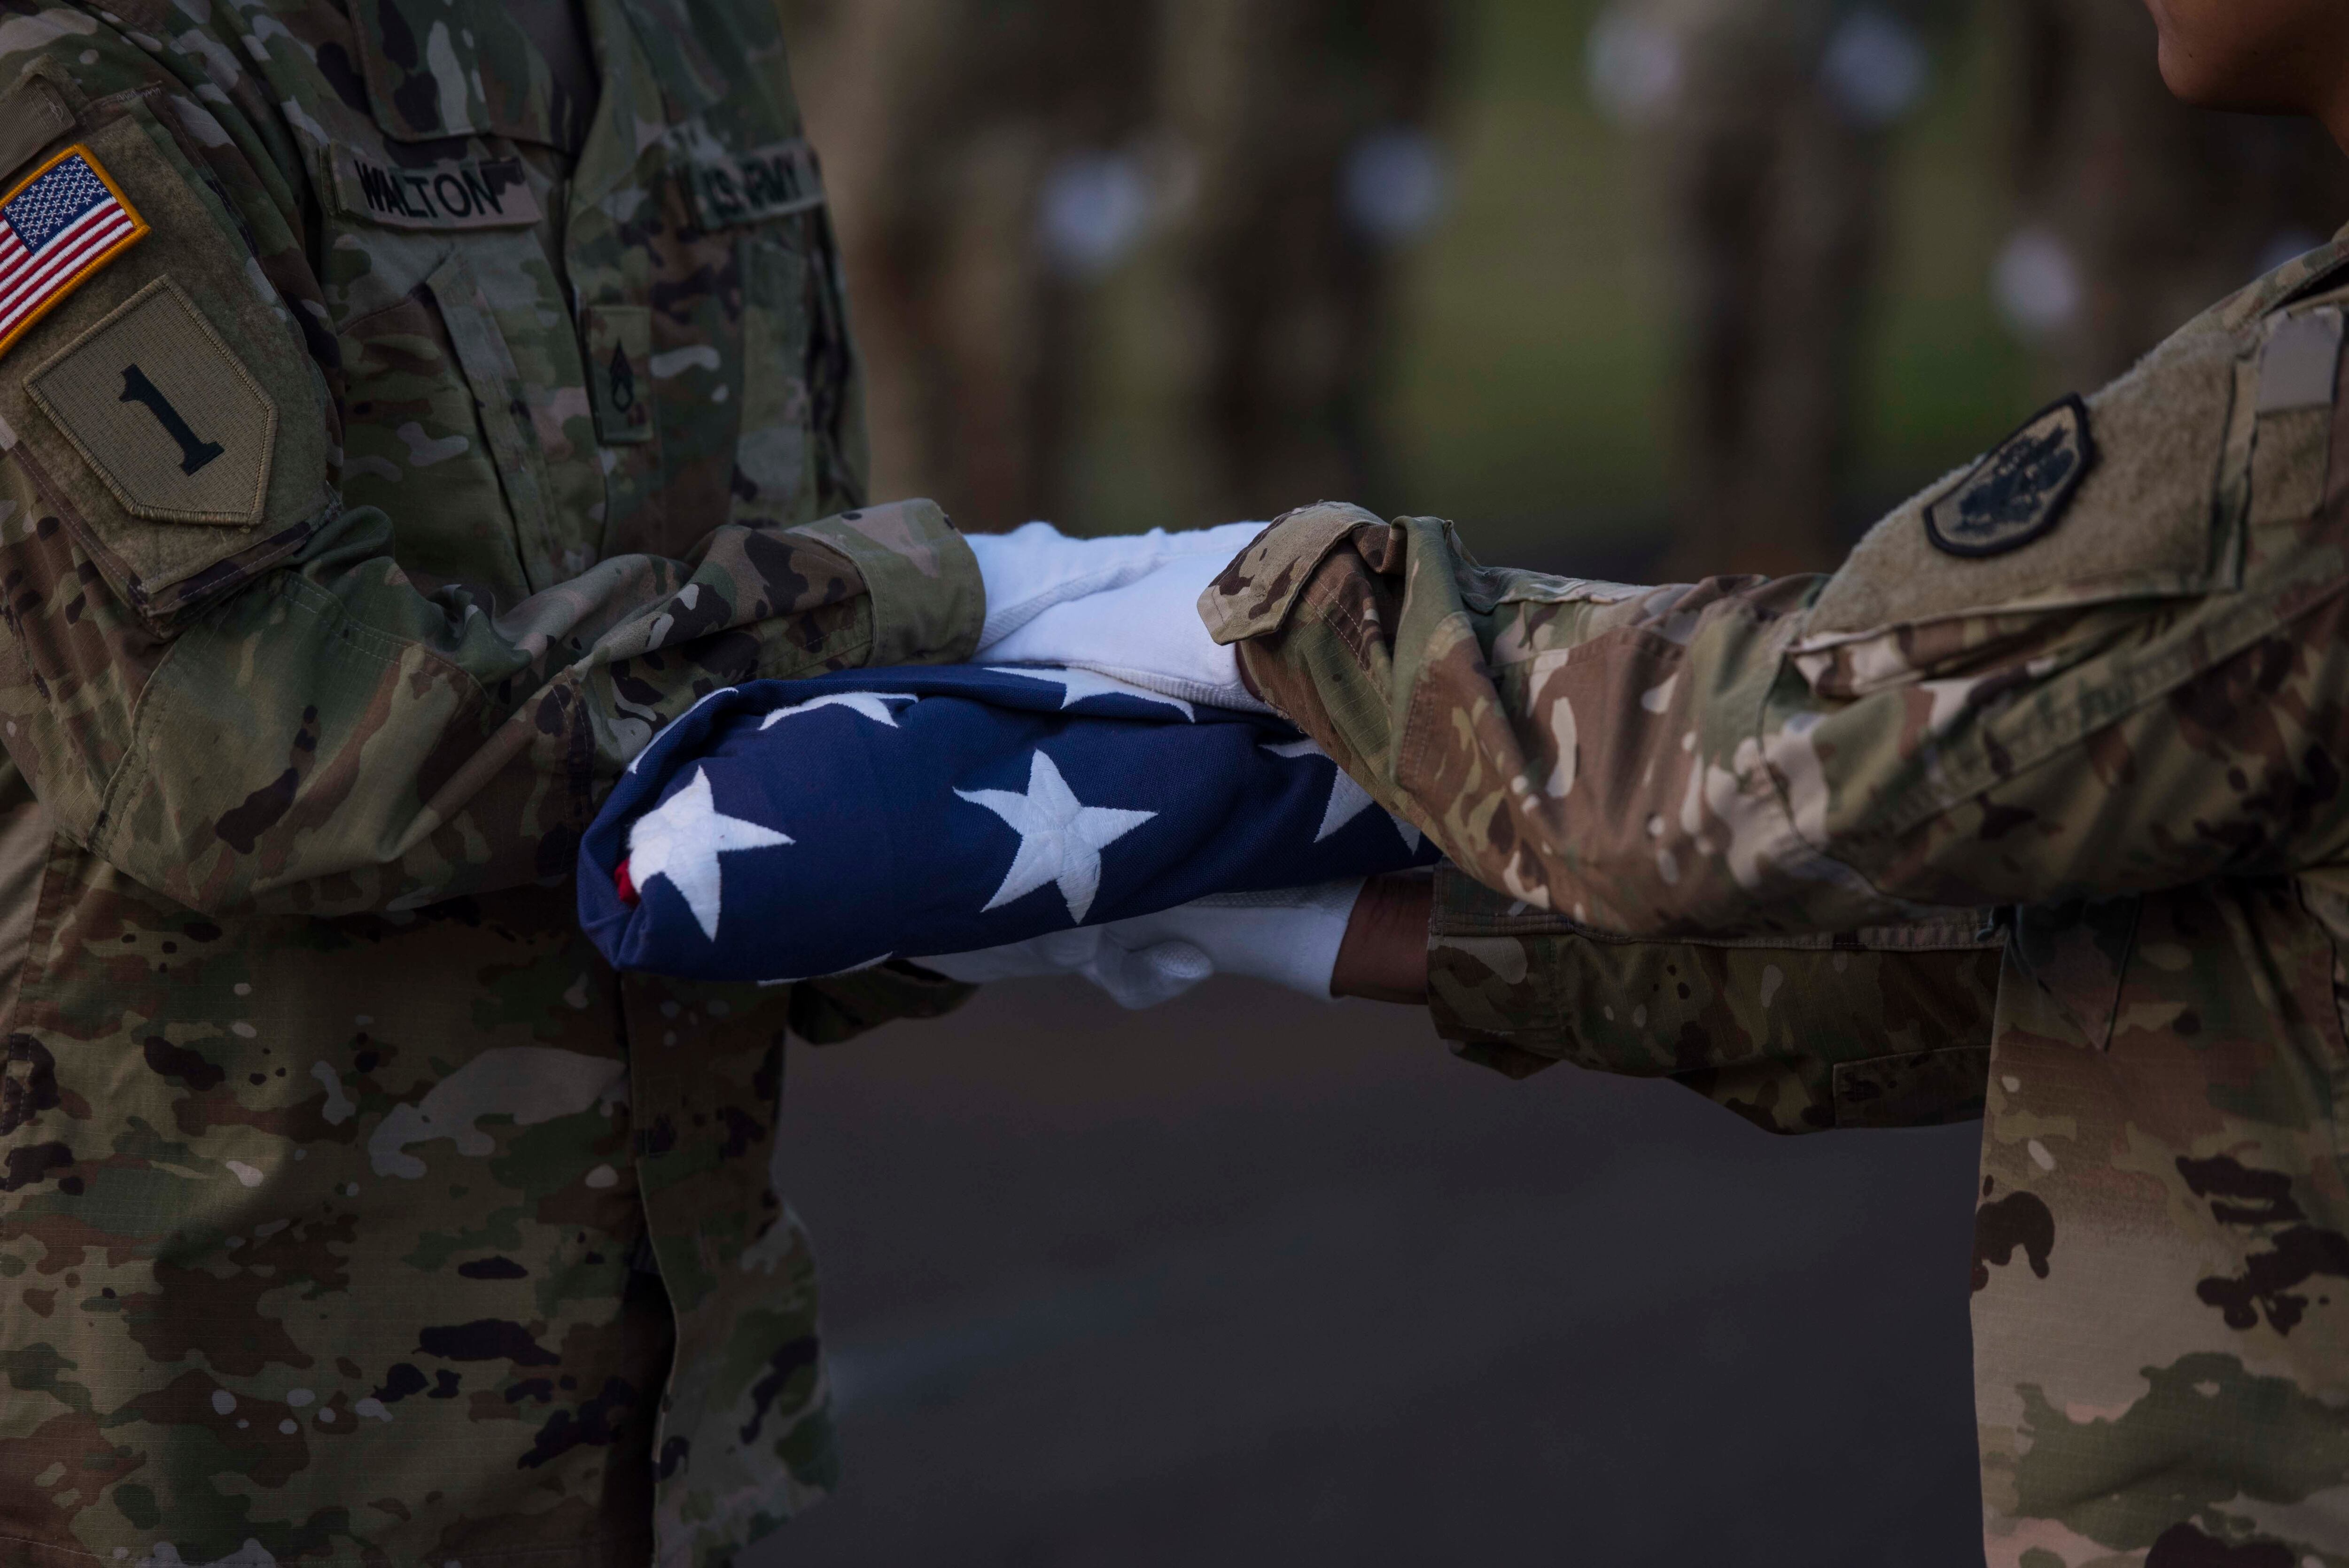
[1248, 1280]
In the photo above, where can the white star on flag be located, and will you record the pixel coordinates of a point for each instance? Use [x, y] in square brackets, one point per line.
[1348, 800]
[874, 706]
[1078, 685]
[1060, 839]
[682, 839]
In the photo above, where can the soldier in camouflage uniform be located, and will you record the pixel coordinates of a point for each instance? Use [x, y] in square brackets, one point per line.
[464, 412]
[2038, 810]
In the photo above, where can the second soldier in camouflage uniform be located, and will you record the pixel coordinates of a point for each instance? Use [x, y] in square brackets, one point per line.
[2039, 808]
[464, 414]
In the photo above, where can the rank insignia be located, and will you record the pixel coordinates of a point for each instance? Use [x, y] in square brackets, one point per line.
[2019, 492]
[61, 224]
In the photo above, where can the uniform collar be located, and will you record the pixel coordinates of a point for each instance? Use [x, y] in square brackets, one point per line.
[432, 74]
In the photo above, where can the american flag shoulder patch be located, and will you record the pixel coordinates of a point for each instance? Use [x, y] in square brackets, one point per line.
[59, 227]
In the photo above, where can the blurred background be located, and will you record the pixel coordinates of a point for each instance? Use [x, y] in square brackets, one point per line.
[1627, 289]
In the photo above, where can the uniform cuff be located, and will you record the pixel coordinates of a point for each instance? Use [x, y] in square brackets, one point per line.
[1488, 991]
[927, 602]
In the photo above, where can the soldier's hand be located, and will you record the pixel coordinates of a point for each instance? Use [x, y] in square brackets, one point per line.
[1123, 607]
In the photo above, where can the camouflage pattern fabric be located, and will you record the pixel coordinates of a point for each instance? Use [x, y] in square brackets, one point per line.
[350, 1210]
[1882, 1028]
[2127, 734]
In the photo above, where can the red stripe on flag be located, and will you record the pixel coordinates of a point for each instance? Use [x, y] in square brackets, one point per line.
[43, 267]
[69, 238]
[51, 274]
[66, 234]
[103, 212]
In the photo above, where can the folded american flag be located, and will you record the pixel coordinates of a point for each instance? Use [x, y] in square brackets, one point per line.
[789, 829]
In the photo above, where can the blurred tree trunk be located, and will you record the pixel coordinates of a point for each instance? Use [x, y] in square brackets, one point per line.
[1774, 192]
[949, 128]
[939, 121]
[2160, 209]
[2136, 213]
[1300, 118]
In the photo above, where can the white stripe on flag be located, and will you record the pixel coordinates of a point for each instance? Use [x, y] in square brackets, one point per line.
[36, 275]
[59, 243]
[47, 276]
[67, 235]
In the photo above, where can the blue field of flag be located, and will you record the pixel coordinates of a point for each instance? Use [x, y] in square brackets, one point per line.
[789, 829]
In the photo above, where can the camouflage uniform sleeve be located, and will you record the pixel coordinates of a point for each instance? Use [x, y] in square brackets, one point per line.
[1807, 754]
[1887, 1027]
[259, 705]
[2130, 683]
[1585, 748]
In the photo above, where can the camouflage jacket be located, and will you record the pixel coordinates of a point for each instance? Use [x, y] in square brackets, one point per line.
[462, 412]
[1735, 832]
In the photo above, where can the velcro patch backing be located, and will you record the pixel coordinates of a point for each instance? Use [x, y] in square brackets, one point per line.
[2300, 361]
[2143, 524]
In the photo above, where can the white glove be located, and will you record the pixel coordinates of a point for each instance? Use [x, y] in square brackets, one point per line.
[1124, 607]
[1290, 938]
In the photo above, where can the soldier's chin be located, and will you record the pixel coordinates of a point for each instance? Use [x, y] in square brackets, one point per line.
[2254, 57]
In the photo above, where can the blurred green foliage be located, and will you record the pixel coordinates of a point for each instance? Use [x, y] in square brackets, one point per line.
[1530, 398]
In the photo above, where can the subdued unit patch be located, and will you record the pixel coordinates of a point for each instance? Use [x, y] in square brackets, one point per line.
[163, 412]
[2018, 493]
[2148, 521]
